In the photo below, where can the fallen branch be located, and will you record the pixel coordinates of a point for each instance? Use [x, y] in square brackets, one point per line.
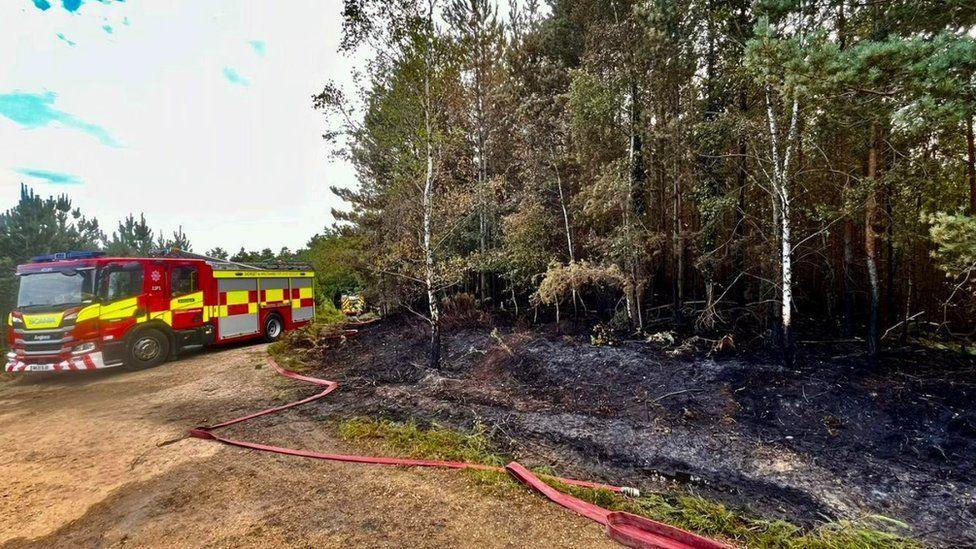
[907, 320]
[675, 393]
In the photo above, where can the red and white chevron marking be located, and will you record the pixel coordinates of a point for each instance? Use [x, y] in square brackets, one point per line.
[91, 361]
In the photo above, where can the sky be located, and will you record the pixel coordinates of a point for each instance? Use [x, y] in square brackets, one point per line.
[197, 114]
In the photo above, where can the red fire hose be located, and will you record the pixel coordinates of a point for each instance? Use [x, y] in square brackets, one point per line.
[625, 528]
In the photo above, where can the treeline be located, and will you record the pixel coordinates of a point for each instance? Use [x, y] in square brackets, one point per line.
[39, 225]
[714, 165]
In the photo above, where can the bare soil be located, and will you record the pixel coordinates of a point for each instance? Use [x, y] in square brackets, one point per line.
[102, 460]
[835, 437]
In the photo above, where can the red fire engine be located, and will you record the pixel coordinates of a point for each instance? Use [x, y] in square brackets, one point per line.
[84, 311]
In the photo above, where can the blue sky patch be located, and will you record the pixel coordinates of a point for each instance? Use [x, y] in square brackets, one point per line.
[258, 46]
[235, 77]
[36, 110]
[69, 5]
[65, 39]
[55, 178]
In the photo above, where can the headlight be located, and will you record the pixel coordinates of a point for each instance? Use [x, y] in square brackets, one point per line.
[84, 348]
[16, 321]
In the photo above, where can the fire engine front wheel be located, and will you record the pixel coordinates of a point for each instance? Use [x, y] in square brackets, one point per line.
[146, 349]
[273, 328]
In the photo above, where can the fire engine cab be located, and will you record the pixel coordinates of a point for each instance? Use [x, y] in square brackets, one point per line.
[85, 311]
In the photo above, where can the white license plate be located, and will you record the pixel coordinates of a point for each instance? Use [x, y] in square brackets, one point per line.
[40, 367]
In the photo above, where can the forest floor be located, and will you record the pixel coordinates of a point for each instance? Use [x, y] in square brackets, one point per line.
[835, 437]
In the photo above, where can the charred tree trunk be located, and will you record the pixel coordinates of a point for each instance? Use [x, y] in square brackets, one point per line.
[677, 285]
[870, 241]
[847, 325]
[890, 259]
[638, 200]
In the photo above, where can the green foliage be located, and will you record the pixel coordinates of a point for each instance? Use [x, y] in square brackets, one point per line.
[638, 135]
[596, 109]
[132, 238]
[954, 236]
[334, 257]
[525, 246]
[217, 253]
[179, 241]
[37, 226]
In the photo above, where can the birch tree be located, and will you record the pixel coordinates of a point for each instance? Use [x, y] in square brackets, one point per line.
[782, 45]
[406, 150]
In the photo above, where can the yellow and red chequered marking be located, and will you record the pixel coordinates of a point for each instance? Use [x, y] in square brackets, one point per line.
[237, 302]
[302, 297]
[275, 297]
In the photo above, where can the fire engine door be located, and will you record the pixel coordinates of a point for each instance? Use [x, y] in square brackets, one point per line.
[186, 297]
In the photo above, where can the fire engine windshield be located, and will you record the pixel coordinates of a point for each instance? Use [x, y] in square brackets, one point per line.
[56, 289]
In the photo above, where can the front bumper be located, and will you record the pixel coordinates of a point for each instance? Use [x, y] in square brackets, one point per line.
[90, 361]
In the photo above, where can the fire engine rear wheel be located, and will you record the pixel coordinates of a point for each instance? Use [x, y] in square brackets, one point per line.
[273, 328]
[147, 348]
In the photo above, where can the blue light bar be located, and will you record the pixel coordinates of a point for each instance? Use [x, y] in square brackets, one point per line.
[66, 256]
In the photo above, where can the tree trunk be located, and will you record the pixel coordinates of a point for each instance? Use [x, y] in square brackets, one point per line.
[781, 213]
[566, 226]
[890, 259]
[739, 230]
[638, 175]
[870, 241]
[434, 357]
[677, 287]
[971, 165]
[786, 257]
[847, 327]
[482, 185]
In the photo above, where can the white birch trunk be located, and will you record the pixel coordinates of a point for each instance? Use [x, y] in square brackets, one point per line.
[428, 207]
[781, 201]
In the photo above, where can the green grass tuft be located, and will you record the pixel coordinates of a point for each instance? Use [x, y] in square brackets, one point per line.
[433, 443]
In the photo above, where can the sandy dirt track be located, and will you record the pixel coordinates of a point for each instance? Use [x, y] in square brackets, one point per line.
[103, 460]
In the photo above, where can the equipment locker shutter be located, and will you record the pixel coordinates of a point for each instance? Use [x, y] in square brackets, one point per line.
[302, 300]
[238, 307]
[274, 291]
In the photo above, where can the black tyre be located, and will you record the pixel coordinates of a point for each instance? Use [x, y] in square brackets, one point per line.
[146, 348]
[273, 328]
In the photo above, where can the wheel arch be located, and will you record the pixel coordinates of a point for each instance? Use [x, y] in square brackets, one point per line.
[156, 324]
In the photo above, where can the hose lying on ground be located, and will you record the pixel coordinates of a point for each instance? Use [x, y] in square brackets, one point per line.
[625, 528]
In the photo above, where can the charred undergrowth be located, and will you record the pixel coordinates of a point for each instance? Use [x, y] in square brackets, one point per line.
[835, 437]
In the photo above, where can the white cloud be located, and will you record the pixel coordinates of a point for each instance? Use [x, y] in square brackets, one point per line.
[235, 166]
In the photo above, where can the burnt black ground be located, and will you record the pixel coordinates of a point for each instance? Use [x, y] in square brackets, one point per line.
[834, 437]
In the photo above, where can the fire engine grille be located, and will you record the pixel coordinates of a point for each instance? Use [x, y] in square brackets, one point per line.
[32, 348]
[44, 341]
